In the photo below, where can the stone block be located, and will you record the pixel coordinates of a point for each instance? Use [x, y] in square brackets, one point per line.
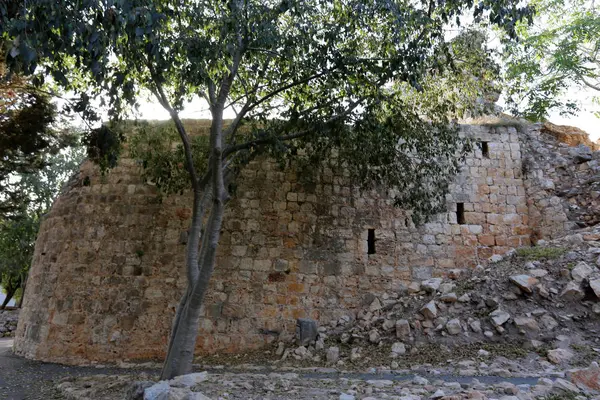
[306, 331]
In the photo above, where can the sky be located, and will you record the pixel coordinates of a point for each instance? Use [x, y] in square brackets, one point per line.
[586, 120]
[2, 297]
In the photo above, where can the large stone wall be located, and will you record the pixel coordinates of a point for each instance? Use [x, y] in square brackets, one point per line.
[108, 265]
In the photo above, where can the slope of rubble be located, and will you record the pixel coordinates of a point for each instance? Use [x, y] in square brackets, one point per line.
[533, 312]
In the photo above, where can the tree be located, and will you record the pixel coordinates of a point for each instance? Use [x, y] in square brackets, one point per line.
[18, 230]
[558, 54]
[304, 78]
[17, 239]
[28, 120]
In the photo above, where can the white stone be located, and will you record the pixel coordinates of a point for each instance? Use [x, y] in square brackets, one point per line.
[581, 271]
[419, 380]
[162, 391]
[449, 298]
[398, 349]
[375, 305]
[189, 380]
[557, 356]
[453, 327]
[197, 396]
[374, 336]
[527, 323]
[572, 291]
[524, 282]
[595, 286]
[333, 354]
[431, 285]
[379, 383]
[561, 385]
[496, 258]
[539, 272]
[402, 328]
[475, 326]
[499, 317]
[465, 298]
[429, 310]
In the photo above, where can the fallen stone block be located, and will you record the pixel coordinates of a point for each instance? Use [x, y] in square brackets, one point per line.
[524, 282]
[306, 331]
[558, 356]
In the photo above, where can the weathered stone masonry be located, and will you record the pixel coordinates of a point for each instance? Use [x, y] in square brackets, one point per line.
[108, 265]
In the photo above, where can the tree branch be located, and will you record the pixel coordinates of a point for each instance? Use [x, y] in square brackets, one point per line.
[187, 146]
[257, 142]
[589, 84]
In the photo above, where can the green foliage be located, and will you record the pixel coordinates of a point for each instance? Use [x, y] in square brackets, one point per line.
[159, 149]
[540, 253]
[18, 229]
[559, 53]
[103, 146]
[17, 240]
[25, 136]
[467, 85]
[374, 81]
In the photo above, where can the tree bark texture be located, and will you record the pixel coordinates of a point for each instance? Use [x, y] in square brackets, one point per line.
[200, 259]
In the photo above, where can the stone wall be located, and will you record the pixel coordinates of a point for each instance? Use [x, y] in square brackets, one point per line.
[108, 265]
[562, 180]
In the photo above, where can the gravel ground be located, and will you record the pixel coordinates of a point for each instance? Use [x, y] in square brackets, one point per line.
[22, 379]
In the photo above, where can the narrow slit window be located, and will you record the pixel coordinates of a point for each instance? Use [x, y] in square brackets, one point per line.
[460, 213]
[371, 242]
[485, 150]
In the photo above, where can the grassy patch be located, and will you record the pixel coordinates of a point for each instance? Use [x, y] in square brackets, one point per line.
[540, 253]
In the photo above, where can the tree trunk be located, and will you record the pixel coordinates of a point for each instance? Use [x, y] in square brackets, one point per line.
[180, 355]
[185, 327]
[10, 292]
[23, 285]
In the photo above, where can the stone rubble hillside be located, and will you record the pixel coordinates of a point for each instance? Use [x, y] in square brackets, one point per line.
[539, 305]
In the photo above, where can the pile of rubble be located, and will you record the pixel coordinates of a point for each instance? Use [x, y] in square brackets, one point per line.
[8, 322]
[540, 303]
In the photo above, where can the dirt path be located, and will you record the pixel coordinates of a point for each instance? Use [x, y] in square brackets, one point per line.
[22, 379]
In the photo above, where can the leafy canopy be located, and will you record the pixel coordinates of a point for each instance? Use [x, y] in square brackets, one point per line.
[303, 77]
[559, 54]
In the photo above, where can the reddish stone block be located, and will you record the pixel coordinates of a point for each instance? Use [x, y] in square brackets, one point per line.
[487, 240]
[296, 287]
